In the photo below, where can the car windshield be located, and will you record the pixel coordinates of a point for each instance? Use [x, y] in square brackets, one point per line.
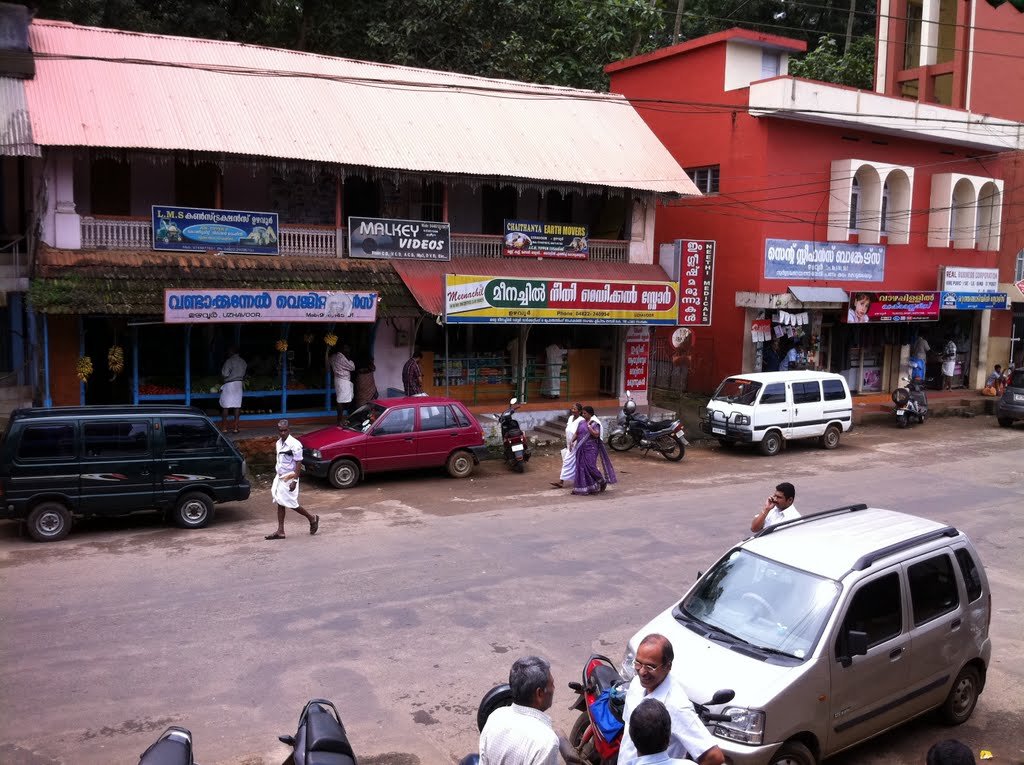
[763, 603]
[363, 418]
[737, 390]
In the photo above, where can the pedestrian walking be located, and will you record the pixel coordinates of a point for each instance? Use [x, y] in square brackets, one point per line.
[285, 489]
[342, 368]
[232, 373]
[777, 508]
[587, 478]
[948, 362]
[412, 375]
[568, 456]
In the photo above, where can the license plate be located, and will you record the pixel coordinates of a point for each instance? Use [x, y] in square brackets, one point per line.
[517, 447]
[718, 430]
[1018, 396]
[901, 411]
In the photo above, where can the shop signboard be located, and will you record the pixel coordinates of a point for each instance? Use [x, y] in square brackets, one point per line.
[696, 280]
[190, 306]
[390, 238]
[532, 239]
[796, 260]
[197, 229]
[638, 352]
[516, 300]
[957, 279]
[1020, 286]
[875, 307]
[974, 301]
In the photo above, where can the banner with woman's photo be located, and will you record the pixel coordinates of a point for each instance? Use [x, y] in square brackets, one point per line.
[874, 307]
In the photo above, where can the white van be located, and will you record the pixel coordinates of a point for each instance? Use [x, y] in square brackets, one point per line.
[768, 408]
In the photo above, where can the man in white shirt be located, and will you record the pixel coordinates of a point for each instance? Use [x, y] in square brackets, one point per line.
[777, 508]
[522, 733]
[285, 489]
[650, 729]
[342, 367]
[653, 680]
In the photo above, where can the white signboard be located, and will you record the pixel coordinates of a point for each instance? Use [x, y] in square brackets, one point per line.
[957, 279]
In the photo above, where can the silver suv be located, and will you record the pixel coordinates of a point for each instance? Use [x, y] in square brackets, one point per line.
[832, 628]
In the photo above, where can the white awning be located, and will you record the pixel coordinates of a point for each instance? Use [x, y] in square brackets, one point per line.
[820, 295]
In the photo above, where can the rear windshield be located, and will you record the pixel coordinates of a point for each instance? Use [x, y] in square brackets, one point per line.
[737, 390]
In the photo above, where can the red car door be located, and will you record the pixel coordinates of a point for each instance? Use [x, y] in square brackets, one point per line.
[439, 434]
[391, 442]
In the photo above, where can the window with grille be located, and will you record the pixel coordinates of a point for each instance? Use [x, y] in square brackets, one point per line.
[704, 178]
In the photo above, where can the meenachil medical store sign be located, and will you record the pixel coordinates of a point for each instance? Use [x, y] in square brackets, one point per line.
[511, 300]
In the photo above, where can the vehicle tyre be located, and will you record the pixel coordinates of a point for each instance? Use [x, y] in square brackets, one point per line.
[460, 464]
[903, 421]
[519, 466]
[793, 753]
[830, 438]
[771, 444]
[344, 474]
[499, 696]
[1005, 422]
[621, 442]
[586, 751]
[671, 449]
[193, 510]
[963, 696]
[49, 522]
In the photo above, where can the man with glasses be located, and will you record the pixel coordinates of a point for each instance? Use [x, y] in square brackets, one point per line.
[653, 681]
[285, 489]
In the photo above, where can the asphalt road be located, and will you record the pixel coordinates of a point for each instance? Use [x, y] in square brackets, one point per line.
[419, 592]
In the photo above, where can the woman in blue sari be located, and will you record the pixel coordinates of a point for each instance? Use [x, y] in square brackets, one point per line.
[589, 447]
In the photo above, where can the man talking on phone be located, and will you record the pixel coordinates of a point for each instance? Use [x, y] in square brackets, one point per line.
[777, 508]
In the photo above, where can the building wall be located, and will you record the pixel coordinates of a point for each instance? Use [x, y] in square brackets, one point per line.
[998, 62]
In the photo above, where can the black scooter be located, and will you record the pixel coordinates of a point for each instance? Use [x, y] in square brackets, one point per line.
[517, 452]
[911, 403]
[667, 437]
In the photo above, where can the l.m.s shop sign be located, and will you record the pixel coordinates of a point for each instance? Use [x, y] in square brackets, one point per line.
[501, 300]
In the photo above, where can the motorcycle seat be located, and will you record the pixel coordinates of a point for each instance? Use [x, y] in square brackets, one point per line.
[659, 424]
[167, 752]
[604, 677]
[326, 736]
[329, 758]
[513, 433]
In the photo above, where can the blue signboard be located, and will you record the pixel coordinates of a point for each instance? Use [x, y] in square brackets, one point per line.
[974, 301]
[796, 260]
[196, 229]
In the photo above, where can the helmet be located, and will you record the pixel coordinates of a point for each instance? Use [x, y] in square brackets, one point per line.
[630, 406]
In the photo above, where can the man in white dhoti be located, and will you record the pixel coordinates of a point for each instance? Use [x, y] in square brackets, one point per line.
[285, 489]
[233, 373]
[342, 367]
[569, 451]
[554, 354]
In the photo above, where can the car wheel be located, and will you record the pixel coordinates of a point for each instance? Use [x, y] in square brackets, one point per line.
[344, 474]
[621, 442]
[771, 444]
[49, 522]
[959, 704]
[586, 750]
[830, 438]
[193, 510]
[793, 753]
[460, 464]
[671, 449]
[1005, 422]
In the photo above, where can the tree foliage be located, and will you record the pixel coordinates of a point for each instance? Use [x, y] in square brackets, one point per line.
[827, 64]
[563, 42]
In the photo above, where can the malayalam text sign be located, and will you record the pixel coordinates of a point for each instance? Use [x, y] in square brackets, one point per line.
[800, 260]
[958, 279]
[638, 352]
[185, 306]
[524, 238]
[198, 229]
[514, 300]
[874, 307]
[696, 280]
[974, 301]
[399, 239]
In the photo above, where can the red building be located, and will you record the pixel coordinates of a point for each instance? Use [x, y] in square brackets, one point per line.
[816, 193]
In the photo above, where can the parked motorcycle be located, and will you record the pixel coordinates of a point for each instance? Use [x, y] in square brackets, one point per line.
[320, 738]
[911, 403]
[666, 437]
[604, 689]
[517, 453]
[173, 747]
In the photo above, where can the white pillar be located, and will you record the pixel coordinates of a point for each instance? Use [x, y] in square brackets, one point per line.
[929, 32]
[981, 367]
[67, 224]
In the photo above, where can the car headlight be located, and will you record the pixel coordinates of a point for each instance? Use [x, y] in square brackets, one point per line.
[746, 726]
[314, 453]
[741, 419]
[627, 670]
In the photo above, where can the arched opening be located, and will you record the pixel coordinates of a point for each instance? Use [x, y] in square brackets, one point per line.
[895, 214]
[989, 208]
[866, 204]
[962, 218]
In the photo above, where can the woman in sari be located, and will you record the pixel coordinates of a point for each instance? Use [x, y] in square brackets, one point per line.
[568, 455]
[589, 447]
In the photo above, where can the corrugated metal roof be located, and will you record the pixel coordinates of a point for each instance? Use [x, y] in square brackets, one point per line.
[820, 294]
[425, 279]
[109, 88]
[15, 127]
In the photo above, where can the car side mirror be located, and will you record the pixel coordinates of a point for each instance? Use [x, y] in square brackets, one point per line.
[723, 696]
[288, 740]
[855, 644]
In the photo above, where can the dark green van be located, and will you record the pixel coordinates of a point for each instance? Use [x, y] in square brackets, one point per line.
[113, 460]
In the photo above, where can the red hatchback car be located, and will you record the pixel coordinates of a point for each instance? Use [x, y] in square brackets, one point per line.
[396, 434]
